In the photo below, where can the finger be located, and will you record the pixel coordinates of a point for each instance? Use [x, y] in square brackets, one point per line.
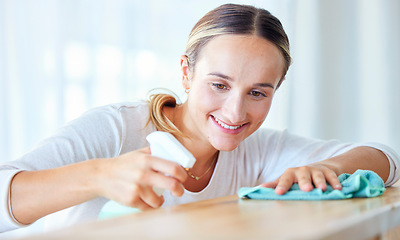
[285, 182]
[140, 204]
[270, 184]
[169, 168]
[151, 198]
[176, 188]
[159, 180]
[319, 180]
[333, 180]
[135, 200]
[303, 176]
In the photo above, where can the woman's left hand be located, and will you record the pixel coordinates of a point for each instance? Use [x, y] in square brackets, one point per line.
[310, 176]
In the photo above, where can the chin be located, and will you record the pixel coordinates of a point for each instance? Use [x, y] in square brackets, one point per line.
[228, 149]
[225, 145]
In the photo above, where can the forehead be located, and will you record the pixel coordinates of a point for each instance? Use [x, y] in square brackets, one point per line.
[242, 54]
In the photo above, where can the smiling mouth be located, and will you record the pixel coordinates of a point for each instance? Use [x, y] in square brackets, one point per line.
[222, 124]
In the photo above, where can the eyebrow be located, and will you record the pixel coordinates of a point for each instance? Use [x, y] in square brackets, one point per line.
[223, 76]
[220, 75]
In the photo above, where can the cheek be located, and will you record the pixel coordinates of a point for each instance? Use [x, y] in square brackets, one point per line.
[260, 111]
[203, 100]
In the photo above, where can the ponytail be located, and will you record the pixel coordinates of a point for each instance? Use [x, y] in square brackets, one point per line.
[157, 117]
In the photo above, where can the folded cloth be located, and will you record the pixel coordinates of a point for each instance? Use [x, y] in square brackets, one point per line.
[361, 184]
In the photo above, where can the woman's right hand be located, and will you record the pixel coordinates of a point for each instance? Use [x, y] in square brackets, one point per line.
[129, 179]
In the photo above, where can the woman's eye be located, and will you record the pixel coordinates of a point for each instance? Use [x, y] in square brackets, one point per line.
[257, 94]
[219, 86]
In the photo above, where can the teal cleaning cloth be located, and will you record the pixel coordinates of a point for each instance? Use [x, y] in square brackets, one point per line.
[361, 184]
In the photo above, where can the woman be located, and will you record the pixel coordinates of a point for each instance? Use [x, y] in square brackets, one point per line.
[236, 59]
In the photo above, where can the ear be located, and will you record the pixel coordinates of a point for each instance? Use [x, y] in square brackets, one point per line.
[185, 72]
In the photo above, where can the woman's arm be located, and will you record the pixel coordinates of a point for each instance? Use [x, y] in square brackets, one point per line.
[319, 173]
[127, 179]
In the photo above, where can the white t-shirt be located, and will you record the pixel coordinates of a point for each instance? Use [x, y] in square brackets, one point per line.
[113, 130]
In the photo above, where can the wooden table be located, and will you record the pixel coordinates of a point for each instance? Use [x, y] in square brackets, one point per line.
[234, 218]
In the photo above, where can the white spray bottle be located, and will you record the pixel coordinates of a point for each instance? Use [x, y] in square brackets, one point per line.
[163, 145]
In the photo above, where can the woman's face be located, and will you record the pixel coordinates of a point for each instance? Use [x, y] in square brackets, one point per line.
[231, 89]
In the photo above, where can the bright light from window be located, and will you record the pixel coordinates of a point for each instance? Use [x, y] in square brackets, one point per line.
[146, 64]
[109, 61]
[49, 62]
[76, 61]
[75, 102]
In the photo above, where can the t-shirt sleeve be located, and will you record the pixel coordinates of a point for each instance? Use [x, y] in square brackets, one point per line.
[288, 150]
[96, 134]
[7, 221]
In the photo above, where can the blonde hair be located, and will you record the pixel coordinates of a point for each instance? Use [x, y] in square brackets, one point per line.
[238, 19]
[157, 102]
[226, 19]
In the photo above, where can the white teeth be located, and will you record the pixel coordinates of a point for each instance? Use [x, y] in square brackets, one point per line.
[226, 126]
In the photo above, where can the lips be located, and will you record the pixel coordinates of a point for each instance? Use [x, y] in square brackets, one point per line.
[226, 126]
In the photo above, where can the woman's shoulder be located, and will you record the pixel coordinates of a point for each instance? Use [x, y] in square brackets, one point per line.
[122, 107]
[117, 117]
[120, 125]
[122, 112]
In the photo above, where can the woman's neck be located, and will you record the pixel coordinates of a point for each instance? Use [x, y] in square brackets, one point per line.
[201, 149]
[206, 155]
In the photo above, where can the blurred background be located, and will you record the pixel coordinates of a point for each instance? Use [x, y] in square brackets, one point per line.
[60, 58]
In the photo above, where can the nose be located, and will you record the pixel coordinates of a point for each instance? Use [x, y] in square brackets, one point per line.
[235, 109]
